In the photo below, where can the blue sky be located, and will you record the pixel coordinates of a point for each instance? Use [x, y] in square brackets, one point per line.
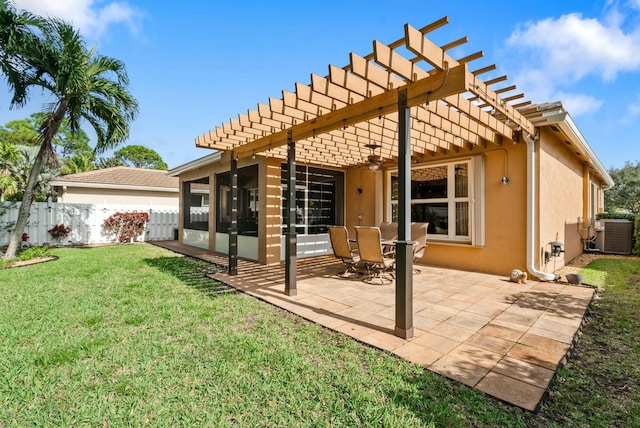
[194, 64]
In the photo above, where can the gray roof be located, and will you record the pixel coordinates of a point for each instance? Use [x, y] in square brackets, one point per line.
[120, 176]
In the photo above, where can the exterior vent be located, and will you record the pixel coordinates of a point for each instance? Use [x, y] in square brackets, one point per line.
[555, 128]
[615, 236]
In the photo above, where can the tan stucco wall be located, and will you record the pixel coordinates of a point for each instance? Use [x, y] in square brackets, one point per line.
[363, 198]
[86, 195]
[505, 212]
[505, 218]
[560, 190]
[563, 199]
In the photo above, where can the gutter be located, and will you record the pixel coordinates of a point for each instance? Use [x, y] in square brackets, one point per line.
[563, 120]
[194, 164]
[531, 211]
[62, 183]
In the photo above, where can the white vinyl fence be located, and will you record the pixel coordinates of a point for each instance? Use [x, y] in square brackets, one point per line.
[85, 221]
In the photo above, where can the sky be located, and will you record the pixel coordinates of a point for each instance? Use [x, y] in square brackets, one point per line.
[194, 64]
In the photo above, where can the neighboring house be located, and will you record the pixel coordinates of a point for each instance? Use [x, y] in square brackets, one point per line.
[118, 186]
[499, 179]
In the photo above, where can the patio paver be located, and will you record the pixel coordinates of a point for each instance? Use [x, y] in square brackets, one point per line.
[502, 338]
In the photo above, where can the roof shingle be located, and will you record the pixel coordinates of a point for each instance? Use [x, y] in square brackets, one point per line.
[120, 176]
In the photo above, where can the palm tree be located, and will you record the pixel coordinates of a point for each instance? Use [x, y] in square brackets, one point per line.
[9, 155]
[22, 170]
[18, 34]
[77, 163]
[86, 86]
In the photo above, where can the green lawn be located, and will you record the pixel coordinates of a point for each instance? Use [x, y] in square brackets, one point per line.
[600, 385]
[135, 335]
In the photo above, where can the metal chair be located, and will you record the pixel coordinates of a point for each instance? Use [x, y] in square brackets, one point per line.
[419, 236]
[389, 233]
[341, 249]
[370, 248]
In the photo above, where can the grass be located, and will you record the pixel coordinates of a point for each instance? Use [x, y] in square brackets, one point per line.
[600, 385]
[136, 335]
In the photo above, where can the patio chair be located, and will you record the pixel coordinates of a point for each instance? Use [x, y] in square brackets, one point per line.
[389, 232]
[341, 249]
[419, 236]
[370, 248]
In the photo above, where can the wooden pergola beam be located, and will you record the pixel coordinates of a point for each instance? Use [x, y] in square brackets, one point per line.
[439, 85]
[423, 47]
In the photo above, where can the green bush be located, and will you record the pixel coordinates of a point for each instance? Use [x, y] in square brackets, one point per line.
[34, 252]
[616, 215]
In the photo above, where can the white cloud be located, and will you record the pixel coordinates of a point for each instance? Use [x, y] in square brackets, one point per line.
[92, 17]
[571, 47]
[556, 55]
[632, 113]
[578, 104]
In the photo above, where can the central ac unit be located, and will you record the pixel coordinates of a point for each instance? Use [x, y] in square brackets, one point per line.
[615, 236]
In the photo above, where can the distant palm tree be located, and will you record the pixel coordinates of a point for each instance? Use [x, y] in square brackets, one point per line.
[21, 171]
[86, 86]
[76, 164]
[9, 156]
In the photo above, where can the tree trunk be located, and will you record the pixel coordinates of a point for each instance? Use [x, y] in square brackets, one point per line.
[49, 128]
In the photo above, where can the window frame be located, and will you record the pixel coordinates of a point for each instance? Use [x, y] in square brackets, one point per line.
[474, 200]
[305, 226]
[188, 205]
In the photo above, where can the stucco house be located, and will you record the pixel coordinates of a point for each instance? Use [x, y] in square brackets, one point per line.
[405, 133]
[118, 186]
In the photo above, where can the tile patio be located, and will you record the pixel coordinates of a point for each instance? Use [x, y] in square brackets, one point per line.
[502, 338]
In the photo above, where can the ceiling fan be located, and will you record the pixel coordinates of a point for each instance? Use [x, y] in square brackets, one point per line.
[373, 160]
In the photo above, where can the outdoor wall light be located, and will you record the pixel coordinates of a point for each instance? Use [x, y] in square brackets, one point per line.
[505, 176]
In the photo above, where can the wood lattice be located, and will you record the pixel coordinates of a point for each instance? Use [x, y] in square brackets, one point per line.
[334, 117]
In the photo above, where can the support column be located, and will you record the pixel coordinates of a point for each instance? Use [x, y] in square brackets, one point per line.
[404, 246]
[291, 237]
[233, 229]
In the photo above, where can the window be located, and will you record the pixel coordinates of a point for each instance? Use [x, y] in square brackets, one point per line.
[247, 201]
[319, 199]
[196, 204]
[443, 196]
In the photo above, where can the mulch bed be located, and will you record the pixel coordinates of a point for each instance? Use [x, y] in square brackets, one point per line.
[21, 263]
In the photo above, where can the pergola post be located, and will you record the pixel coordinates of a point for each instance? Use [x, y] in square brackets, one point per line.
[404, 246]
[291, 237]
[233, 229]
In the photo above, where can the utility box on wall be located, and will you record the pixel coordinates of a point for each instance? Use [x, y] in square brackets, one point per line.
[615, 236]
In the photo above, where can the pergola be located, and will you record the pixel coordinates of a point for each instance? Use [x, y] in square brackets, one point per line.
[410, 98]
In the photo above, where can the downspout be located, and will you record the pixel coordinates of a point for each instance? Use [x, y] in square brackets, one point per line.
[531, 210]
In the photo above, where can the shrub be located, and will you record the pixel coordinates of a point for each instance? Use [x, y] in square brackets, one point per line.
[126, 227]
[616, 215]
[59, 232]
[34, 253]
